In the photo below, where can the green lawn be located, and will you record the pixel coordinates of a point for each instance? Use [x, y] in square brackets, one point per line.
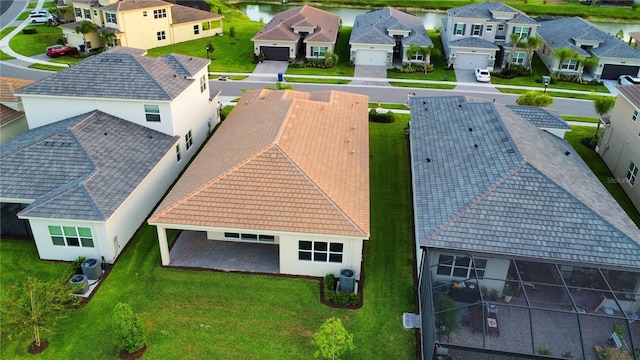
[231, 54]
[33, 44]
[552, 93]
[599, 168]
[389, 106]
[342, 68]
[316, 81]
[581, 118]
[46, 67]
[422, 85]
[217, 315]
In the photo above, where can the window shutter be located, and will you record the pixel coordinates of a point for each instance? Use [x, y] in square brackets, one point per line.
[529, 32]
[513, 31]
[464, 27]
[480, 34]
[312, 51]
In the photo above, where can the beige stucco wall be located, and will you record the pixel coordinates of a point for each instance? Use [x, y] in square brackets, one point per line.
[620, 145]
[185, 32]
[13, 128]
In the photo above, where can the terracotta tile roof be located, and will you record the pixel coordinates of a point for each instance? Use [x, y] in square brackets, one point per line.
[282, 161]
[631, 93]
[9, 85]
[125, 5]
[280, 27]
[7, 114]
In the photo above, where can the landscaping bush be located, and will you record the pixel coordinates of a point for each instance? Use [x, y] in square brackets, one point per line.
[512, 71]
[329, 285]
[338, 297]
[29, 31]
[386, 118]
[127, 330]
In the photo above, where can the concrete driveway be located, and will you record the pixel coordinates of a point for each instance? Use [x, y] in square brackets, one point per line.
[370, 75]
[469, 76]
[268, 70]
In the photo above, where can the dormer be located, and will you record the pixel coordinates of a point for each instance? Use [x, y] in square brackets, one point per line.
[304, 27]
[503, 15]
[587, 43]
[398, 30]
[107, 2]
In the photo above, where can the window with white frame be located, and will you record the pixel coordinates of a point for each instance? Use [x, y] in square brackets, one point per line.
[518, 57]
[500, 27]
[111, 18]
[144, 13]
[188, 140]
[632, 172]
[489, 27]
[161, 35]
[634, 116]
[203, 83]
[160, 13]
[196, 29]
[95, 12]
[461, 266]
[78, 12]
[571, 64]
[320, 251]
[152, 113]
[71, 236]
[417, 56]
[178, 156]
[521, 31]
[87, 14]
[318, 50]
[459, 30]
[249, 237]
[476, 30]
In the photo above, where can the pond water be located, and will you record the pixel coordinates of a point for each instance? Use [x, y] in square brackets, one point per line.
[431, 19]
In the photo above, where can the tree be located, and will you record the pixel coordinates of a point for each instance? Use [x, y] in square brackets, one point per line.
[210, 49]
[517, 42]
[426, 54]
[602, 105]
[620, 34]
[85, 28]
[330, 58]
[411, 51]
[108, 38]
[535, 98]
[533, 43]
[127, 329]
[35, 306]
[564, 54]
[232, 32]
[447, 315]
[587, 62]
[332, 340]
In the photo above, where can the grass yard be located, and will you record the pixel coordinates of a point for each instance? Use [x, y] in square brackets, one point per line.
[216, 315]
[552, 93]
[231, 54]
[342, 68]
[316, 81]
[33, 44]
[581, 118]
[373, 105]
[599, 168]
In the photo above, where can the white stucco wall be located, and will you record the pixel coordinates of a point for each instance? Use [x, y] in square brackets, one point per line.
[9, 130]
[329, 46]
[48, 251]
[615, 61]
[290, 44]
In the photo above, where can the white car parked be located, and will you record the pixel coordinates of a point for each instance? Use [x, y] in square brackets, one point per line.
[628, 80]
[483, 75]
[40, 18]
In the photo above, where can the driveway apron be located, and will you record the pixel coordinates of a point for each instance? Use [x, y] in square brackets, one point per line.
[370, 75]
[464, 77]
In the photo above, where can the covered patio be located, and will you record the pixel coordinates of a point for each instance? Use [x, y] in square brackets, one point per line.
[193, 249]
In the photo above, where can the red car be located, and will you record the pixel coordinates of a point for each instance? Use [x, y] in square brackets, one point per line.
[59, 50]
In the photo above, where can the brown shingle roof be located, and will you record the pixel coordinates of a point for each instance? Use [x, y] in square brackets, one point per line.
[281, 26]
[9, 85]
[631, 92]
[183, 14]
[282, 161]
[125, 5]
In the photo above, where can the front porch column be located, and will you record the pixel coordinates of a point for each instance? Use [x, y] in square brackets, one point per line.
[164, 246]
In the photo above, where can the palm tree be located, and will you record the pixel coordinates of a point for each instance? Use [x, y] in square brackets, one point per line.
[426, 54]
[85, 28]
[517, 42]
[564, 54]
[330, 58]
[602, 105]
[533, 43]
[108, 38]
[587, 62]
[411, 51]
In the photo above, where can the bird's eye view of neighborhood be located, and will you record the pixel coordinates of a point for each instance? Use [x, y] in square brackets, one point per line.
[417, 180]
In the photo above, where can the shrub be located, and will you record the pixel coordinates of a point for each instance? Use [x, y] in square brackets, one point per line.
[338, 297]
[544, 351]
[386, 118]
[127, 329]
[329, 286]
[29, 31]
[232, 32]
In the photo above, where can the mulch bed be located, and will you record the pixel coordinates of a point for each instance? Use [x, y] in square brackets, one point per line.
[34, 349]
[125, 355]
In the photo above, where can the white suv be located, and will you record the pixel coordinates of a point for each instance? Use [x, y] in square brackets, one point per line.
[628, 80]
[40, 18]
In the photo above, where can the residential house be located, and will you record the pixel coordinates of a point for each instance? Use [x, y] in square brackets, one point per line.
[140, 24]
[479, 35]
[382, 37]
[12, 119]
[284, 180]
[634, 39]
[503, 209]
[619, 144]
[98, 157]
[615, 58]
[301, 32]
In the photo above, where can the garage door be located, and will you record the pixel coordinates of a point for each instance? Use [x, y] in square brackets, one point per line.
[371, 57]
[613, 72]
[470, 61]
[275, 53]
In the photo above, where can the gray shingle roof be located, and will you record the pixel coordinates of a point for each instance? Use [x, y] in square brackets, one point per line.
[122, 73]
[80, 168]
[522, 19]
[372, 28]
[482, 10]
[473, 42]
[562, 33]
[516, 193]
[539, 117]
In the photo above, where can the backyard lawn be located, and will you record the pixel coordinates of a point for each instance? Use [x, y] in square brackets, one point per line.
[216, 315]
[33, 44]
